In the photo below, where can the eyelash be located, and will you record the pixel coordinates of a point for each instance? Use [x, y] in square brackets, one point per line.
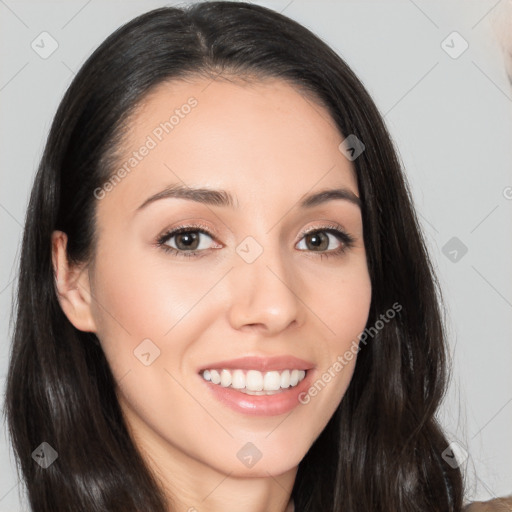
[346, 239]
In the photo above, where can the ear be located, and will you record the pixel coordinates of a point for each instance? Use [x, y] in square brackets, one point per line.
[72, 286]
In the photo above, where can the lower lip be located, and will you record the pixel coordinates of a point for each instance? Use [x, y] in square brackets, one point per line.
[261, 405]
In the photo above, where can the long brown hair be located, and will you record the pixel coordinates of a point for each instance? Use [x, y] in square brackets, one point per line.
[382, 449]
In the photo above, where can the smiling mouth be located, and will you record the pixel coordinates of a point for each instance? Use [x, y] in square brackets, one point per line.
[254, 382]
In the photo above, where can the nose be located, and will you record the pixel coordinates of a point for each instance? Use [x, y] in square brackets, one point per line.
[264, 295]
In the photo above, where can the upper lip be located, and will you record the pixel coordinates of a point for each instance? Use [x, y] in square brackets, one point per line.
[263, 364]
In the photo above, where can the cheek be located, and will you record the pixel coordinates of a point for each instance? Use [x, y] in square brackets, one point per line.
[341, 299]
[147, 291]
[139, 299]
[343, 308]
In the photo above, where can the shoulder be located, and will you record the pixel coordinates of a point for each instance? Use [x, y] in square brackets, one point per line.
[497, 505]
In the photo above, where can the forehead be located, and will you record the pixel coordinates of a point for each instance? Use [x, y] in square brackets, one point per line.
[259, 139]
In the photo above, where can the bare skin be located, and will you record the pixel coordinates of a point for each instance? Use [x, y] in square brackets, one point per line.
[269, 147]
[496, 505]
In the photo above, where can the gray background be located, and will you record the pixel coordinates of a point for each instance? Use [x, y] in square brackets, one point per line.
[450, 119]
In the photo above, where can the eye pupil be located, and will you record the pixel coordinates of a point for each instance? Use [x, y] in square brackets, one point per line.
[188, 239]
[317, 241]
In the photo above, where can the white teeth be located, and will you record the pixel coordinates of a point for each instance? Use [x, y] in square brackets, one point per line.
[237, 379]
[272, 381]
[225, 378]
[294, 378]
[254, 381]
[285, 379]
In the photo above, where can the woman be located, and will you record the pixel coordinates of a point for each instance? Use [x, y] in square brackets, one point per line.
[225, 299]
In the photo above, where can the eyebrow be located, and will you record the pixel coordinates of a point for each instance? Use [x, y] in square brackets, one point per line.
[214, 197]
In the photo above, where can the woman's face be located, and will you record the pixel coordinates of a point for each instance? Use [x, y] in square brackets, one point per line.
[255, 285]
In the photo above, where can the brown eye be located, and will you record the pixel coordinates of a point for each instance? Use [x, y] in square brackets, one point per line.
[187, 241]
[318, 241]
[327, 241]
